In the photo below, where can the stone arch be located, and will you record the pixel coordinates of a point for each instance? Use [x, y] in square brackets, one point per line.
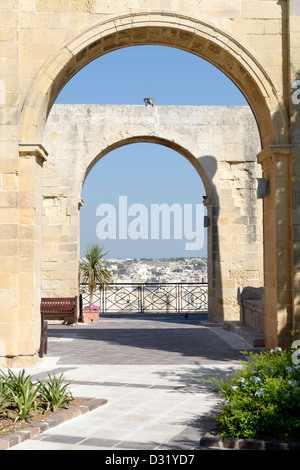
[157, 28]
[178, 144]
[30, 83]
[167, 29]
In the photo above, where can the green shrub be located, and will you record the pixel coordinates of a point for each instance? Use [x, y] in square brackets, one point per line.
[4, 400]
[20, 391]
[262, 399]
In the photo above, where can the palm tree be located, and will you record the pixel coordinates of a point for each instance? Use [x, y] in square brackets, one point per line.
[93, 269]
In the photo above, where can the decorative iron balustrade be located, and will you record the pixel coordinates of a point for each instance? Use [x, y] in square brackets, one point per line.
[147, 297]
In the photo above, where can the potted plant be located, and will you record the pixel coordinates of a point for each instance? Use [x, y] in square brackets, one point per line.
[93, 271]
[91, 314]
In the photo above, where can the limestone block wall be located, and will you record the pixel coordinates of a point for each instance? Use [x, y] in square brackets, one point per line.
[221, 143]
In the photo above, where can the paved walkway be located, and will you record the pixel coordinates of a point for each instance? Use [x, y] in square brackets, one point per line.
[148, 369]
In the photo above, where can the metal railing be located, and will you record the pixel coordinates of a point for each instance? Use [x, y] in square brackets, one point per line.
[179, 297]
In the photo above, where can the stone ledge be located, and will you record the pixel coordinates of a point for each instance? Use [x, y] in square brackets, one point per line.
[249, 334]
[254, 304]
[211, 441]
[17, 437]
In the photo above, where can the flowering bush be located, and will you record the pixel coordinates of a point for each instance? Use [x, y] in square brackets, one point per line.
[262, 399]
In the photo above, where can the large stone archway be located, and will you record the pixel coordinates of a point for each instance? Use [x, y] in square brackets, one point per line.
[45, 43]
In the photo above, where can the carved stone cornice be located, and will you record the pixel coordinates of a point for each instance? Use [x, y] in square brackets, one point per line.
[273, 151]
[33, 150]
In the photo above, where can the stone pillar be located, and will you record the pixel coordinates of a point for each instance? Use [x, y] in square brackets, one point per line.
[278, 298]
[60, 242]
[296, 232]
[9, 169]
[8, 244]
[235, 237]
[30, 256]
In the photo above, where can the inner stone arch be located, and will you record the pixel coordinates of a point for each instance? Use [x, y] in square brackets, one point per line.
[143, 172]
[173, 141]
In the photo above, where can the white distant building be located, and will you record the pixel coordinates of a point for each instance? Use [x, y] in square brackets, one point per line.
[143, 271]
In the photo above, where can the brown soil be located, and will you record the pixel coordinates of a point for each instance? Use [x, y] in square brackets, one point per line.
[8, 423]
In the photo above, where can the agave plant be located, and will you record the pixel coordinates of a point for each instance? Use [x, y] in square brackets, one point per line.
[54, 393]
[93, 270]
[21, 391]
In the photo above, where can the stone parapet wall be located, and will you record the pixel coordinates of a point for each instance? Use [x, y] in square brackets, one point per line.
[251, 302]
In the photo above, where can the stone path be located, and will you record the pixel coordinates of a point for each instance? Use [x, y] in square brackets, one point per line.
[148, 369]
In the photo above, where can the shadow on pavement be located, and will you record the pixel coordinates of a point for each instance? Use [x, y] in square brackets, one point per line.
[137, 341]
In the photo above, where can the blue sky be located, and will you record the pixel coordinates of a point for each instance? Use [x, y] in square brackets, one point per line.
[142, 171]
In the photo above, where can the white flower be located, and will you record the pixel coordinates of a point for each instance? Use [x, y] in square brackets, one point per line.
[255, 379]
[293, 382]
[276, 349]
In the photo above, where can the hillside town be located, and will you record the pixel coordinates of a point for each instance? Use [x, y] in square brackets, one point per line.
[158, 270]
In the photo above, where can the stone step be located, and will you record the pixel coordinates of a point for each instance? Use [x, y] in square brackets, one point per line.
[252, 336]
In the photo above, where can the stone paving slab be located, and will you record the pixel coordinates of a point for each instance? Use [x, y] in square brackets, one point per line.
[148, 370]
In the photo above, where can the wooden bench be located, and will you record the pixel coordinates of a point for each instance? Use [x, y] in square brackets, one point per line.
[60, 307]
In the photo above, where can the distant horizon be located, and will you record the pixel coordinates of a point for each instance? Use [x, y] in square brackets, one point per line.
[152, 258]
